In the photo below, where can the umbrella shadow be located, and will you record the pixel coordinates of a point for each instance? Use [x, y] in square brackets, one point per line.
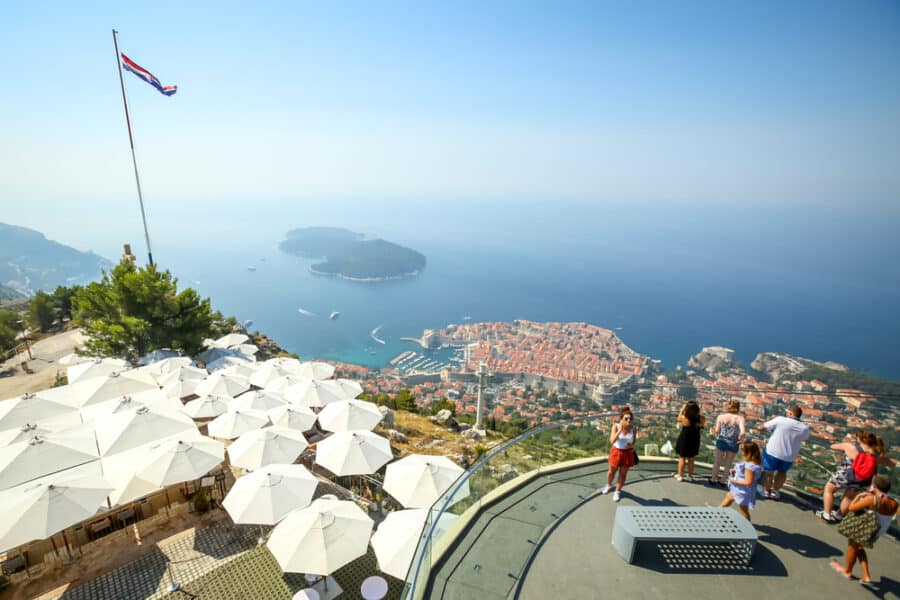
[883, 588]
[804, 545]
[221, 541]
[141, 578]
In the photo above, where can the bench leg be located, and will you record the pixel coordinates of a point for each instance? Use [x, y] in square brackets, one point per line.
[623, 542]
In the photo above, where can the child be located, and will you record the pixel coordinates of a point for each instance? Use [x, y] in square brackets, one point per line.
[742, 483]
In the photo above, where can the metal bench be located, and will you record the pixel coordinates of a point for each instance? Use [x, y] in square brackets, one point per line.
[700, 525]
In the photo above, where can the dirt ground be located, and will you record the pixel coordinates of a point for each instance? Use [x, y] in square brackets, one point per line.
[42, 368]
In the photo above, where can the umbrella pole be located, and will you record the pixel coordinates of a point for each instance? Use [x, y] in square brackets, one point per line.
[166, 492]
[262, 538]
[66, 542]
[55, 549]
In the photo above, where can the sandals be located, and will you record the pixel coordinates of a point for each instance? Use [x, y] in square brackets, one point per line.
[839, 568]
[825, 516]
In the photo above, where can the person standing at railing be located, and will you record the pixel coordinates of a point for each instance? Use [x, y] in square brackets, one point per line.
[729, 430]
[743, 480]
[844, 478]
[688, 443]
[622, 453]
[787, 435]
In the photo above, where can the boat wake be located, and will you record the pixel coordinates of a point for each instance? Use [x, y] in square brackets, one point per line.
[374, 335]
[307, 313]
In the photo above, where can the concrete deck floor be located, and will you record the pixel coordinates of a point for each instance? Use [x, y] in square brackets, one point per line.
[551, 539]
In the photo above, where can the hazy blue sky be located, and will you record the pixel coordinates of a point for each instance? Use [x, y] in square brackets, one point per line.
[715, 102]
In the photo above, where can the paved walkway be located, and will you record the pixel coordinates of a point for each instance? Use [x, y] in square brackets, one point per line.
[42, 368]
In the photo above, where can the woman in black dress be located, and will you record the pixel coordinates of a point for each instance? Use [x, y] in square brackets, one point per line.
[688, 444]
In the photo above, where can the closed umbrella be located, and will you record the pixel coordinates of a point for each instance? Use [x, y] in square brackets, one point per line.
[175, 461]
[266, 446]
[234, 423]
[418, 480]
[263, 400]
[293, 417]
[398, 535]
[320, 538]
[353, 452]
[267, 495]
[314, 393]
[206, 407]
[222, 385]
[345, 415]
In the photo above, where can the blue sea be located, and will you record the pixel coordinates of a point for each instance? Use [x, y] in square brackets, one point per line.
[823, 283]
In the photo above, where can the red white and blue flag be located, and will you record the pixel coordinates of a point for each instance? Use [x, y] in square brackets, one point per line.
[147, 76]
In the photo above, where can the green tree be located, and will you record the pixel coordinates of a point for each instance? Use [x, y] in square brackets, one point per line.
[132, 311]
[62, 300]
[41, 311]
[8, 329]
[405, 400]
[442, 404]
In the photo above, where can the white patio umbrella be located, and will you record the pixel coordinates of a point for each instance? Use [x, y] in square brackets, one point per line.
[211, 355]
[268, 494]
[174, 461]
[314, 393]
[315, 370]
[353, 452]
[418, 480]
[266, 446]
[73, 359]
[30, 408]
[285, 382]
[181, 388]
[263, 400]
[398, 535]
[99, 389]
[152, 399]
[234, 423]
[272, 369]
[129, 429]
[247, 349]
[42, 510]
[222, 385]
[351, 388]
[293, 417]
[230, 340]
[182, 373]
[98, 367]
[42, 455]
[345, 415]
[238, 364]
[158, 356]
[41, 428]
[206, 407]
[320, 538]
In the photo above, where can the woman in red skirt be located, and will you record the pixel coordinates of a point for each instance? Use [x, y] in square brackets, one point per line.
[621, 454]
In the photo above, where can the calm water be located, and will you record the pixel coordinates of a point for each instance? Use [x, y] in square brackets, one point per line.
[821, 284]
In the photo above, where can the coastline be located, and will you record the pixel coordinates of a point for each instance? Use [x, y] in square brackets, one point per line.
[364, 279]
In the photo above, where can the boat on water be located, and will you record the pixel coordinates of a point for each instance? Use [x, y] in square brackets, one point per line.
[374, 335]
[251, 268]
[307, 313]
[334, 315]
[467, 318]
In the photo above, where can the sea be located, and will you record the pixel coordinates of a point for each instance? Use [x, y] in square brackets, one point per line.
[813, 281]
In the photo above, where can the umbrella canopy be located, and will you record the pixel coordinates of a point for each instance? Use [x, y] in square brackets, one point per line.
[247, 349]
[158, 356]
[293, 417]
[206, 407]
[398, 535]
[153, 399]
[182, 373]
[234, 423]
[100, 389]
[345, 415]
[230, 340]
[351, 388]
[267, 446]
[285, 382]
[353, 452]
[315, 370]
[272, 369]
[222, 385]
[41, 428]
[268, 494]
[263, 400]
[41, 455]
[39, 511]
[129, 429]
[30, 408]
[73, 359]
[174, 461]
[239, 364]
[418, 480]
[314, 393]
[98, 367]
[211, 355]
[320, 538]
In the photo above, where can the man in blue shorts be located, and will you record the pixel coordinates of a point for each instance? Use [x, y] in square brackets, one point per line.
[788, 433]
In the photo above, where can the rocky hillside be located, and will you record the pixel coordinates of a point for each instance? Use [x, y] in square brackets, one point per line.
[776, 365]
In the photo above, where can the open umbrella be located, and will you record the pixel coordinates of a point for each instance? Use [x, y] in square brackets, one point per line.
[293, 417]
[353, 452]
[285, 382]
[222, 385]
[233, 423]
[99, 389]
[263, 400]
[211, 355]
[230, 340]
[182, 382]
[345, 415]
[206, 407]
[41, 455]
[31, 408]
[157, 357]
[272, 369]
[268, 494]
[351, 388]
[314, 393]
[267, 446]
[418, 480]
[174, 461]
[398, 535]
[315, 370]
[320, 538]
[239, 364]
[98, 367]
[153, 399]
[129, 429]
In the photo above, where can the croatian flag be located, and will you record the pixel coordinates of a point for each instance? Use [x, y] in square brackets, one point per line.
[147, 76]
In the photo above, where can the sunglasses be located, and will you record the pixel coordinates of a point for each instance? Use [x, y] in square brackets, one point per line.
[626, 418]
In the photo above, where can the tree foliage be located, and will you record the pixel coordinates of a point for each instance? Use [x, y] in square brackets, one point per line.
[132, 311]
[8, 329]
[41, 311]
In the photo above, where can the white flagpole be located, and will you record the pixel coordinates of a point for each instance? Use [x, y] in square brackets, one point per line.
[137, 177]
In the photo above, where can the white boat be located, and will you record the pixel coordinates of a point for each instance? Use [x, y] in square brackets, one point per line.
[374, 335]
[307, 313]
[334, 315]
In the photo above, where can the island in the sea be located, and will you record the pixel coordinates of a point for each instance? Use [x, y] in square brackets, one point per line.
[352, 255]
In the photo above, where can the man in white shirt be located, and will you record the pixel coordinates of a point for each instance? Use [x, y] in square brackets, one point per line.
[788, 433]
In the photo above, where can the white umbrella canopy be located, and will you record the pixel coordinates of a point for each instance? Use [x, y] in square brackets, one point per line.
[283, 383]
[206, 407]
[247, 349]
[100, 389]
[293, 417]
[320, 538]
[315, 370]
[263, 400]
[230, 340]
[418, 480]
[346, 415]
[350, 387]
[273, 369]
[98, 367]
[222, 385]
[211, 355]
[73, 358]
[266, 446]
[268, 494]
[182, 373]
[153, 399]
[41, 428]
[314, 393]
[234, 423]
[353, 452]
[398, 535]
[233, 365]
[174, 461]
[41, 510]
[155, 359]
[40, 455]
[129, 429]
[30, 408]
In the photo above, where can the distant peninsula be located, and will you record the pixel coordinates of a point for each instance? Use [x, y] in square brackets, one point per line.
[352, 255]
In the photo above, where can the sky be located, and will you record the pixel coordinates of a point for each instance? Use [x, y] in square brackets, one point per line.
[725, 103]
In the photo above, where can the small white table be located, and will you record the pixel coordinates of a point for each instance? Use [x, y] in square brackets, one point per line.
[374, 588]
[306, 594]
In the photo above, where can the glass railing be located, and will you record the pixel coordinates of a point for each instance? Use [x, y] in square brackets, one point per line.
[565, 444]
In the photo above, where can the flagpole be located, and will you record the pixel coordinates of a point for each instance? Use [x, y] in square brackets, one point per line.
[137, 177]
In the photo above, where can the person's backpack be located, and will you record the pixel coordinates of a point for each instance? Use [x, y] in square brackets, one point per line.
[864, 466]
